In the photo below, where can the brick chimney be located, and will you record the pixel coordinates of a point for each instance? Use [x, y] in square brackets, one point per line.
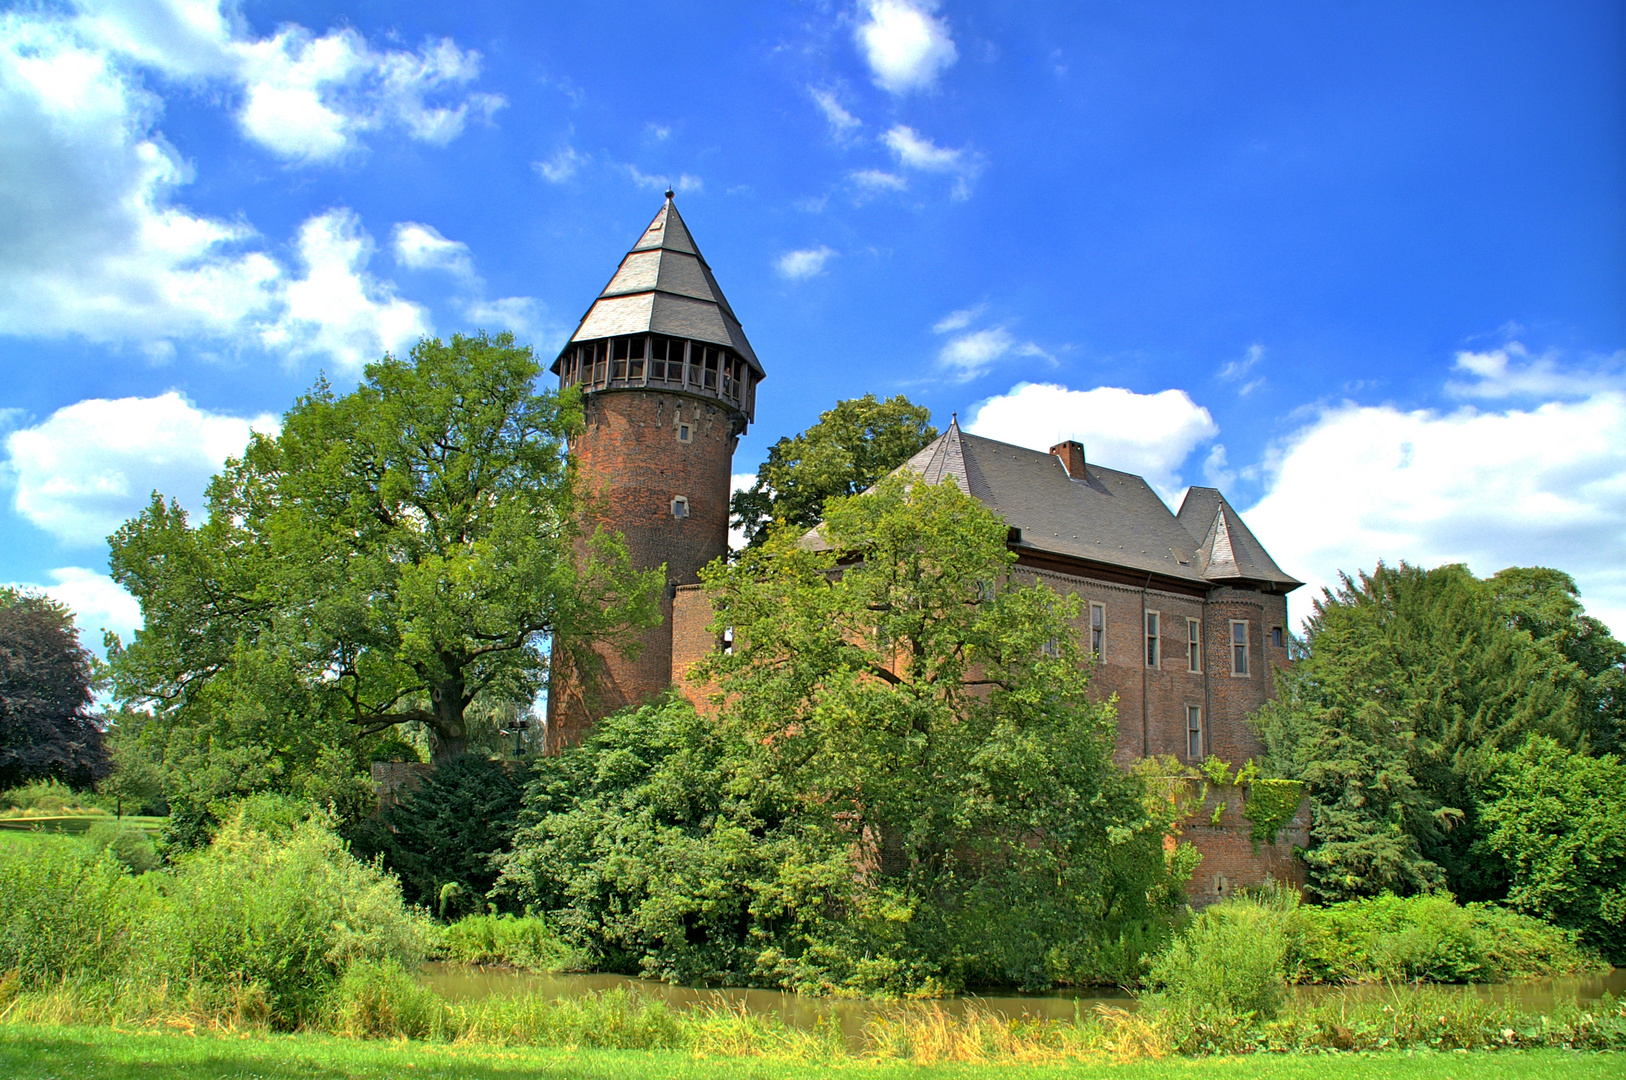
[1072, 457]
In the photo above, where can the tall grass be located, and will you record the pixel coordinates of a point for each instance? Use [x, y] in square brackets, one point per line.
[521, 941]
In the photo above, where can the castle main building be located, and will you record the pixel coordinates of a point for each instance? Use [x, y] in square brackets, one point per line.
[1186, 613]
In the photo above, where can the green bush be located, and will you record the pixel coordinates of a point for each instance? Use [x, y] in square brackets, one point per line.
[447, 832]
[1228, 965]
[285, 907]
[46, 797]
[379, 999]
[527, 942]
[66, 911]
[129, 844]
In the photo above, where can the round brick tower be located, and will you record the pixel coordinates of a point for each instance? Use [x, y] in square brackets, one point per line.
[669, 385]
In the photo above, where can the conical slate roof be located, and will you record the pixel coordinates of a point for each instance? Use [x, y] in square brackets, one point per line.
[1226, 549]
[664, 286]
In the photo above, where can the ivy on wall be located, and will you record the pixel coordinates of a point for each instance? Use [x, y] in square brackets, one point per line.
[1270, 805]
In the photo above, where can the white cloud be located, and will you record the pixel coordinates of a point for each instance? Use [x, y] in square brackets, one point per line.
[1151, 435]
[915, 151]
[97, 603]
[1542, 486]
[304, 98]
[1238, 369]
[337, 308]
[957, 320]
[526, 316]
[875, 181]
[92, 465]
[684, 183]
[563, 165]
[96, 246]
[970, 354]
[1511, 372]
[803, 263]
[904, 45]
[422, 247]
[842, 122]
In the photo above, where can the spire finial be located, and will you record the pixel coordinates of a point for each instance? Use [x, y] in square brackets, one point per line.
[669, 194]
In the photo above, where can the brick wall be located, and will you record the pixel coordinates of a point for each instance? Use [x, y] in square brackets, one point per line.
[635, 465]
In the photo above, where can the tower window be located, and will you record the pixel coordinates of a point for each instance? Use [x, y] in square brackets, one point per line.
[711, 369]
[620, 371]
[1276, 636]
[1152, 640]
[680, 506]
[657, 359]
[685, 432]
[1239, 647]
[1194, 732]
[1194, 645]
[635, 363]
[1098, 629]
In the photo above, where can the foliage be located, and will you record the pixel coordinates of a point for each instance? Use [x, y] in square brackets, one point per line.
[521, 941]
[47, 687]
[129, 844]
[391, 556]
[851, 447]
[1228, 964]
[907, 788]
[1270, 805]
[66, 909]
[41, 797]
[1409, 680]
[1546, 604]
[279, 904]
[1558, 820]
[447, 831]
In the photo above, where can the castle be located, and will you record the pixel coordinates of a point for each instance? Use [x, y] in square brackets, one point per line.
[1186, 613]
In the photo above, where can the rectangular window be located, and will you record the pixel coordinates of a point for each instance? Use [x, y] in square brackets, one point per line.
[1276, 638]
[635, 368]
[598, 364]
[711, 369]
[1239, 647]
[1051, 648]
[1194, 645]
[1098, 629]
[1151, 639]
[1194, 732]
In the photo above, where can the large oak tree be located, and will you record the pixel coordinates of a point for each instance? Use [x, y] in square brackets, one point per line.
[392, 555]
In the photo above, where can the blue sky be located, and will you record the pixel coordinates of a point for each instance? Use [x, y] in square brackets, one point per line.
[1361, 265]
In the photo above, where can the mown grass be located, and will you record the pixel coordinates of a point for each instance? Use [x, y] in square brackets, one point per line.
[69, 1053]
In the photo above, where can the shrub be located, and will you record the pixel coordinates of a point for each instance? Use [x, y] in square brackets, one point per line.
[46, 798]
[66, 910]
[1228, 965]
[379, 999]
[448, 831]
[527, 942]
[286, 907]
[128, 844]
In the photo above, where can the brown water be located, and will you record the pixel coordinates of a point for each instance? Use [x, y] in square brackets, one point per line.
[463, 983]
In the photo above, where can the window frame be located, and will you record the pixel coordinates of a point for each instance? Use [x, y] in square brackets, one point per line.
[1153, 630]
[680, 503]
[1194, 645]
[1244, 671]
[1278, 637]
[1098, 631]
[1195, 732]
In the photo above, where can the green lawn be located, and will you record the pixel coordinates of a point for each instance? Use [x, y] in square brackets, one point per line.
[73, 823]
[55, 1053]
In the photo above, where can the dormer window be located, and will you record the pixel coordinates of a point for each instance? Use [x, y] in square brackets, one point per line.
[680, 507]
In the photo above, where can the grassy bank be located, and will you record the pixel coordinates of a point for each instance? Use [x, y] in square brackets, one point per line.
[71, 1053]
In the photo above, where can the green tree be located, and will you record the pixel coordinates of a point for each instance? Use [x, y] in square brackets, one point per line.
[851, 447]
[1558, 820]
[448, 831]
[1546, 604]
[917, 693]
[392, 555]
[1408, 680]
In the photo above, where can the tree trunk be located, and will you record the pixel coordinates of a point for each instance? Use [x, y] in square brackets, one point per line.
[451, 733]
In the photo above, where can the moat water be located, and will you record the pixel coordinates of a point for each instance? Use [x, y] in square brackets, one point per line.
[459, 982]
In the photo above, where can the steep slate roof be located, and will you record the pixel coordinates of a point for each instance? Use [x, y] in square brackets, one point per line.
[1104, 516]
[664, 286]
[1226, 549]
